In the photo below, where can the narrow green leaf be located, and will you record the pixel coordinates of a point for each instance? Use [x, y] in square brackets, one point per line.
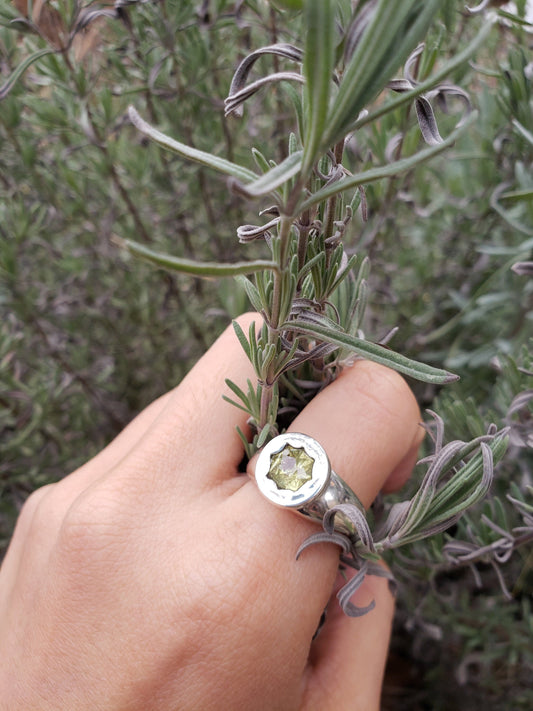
[260, 161]
[340, 276]
[310, 264]
[251, 292]
[512, 17]
[242, 339]
[207, 270]
[276, 176]
[522, 130]
[296, 97]
[238, 392]
[19, 71]
[461, 492]
[252, 349]
[266, 357]
[358, 306]
[249, 448]
[393, 31]
[373, 352]
[220, 164]
[464, 488]
[518, 195]
[318, 67]
[235, 404]
[261, 440]
[254, 396]
[385, 171]
[406, 98]
[293, 143]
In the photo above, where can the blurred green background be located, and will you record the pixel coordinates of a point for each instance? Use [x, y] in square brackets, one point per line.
[89, 336]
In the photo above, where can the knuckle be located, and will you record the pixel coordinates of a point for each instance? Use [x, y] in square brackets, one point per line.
[32, 504]
[388, 391]
[37, 513]
[89, 531]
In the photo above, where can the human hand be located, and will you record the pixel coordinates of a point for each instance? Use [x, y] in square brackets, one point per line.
[157, 577]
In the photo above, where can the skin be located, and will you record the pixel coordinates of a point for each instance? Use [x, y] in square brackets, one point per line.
[156, 576]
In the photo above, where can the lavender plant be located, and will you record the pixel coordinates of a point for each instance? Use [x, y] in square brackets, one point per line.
[310, 292]
[441, 240]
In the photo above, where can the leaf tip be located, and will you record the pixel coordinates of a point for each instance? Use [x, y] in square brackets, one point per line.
[132, 113]
[450, 378]
[136, 119]
[118, 241]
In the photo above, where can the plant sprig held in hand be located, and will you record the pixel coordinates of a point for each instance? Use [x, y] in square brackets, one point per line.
[310, 292]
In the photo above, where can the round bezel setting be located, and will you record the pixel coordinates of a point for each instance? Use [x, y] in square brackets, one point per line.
[308, 490]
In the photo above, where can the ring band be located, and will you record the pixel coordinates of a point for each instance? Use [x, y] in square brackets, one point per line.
[293, 471]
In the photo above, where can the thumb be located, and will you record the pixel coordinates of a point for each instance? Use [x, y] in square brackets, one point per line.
[347, 660]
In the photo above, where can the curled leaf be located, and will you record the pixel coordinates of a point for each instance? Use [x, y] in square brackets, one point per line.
[388, 170]
[249, 233]
[411, 64]
[388, 38]
[521, 428]
[288, 51]
[459, 475]
[423, 87]
[336, 538]
[424, 110]
[352, 517]
[86, 18]
[234, 101]
[356, 29]
[348, 590]
[478, 8]
[391, 149]
[427, 121]
[523, 268]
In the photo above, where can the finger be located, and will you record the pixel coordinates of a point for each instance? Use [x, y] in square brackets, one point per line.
[14, 555]
[152, 440]
[348, 658]
[193, 441]
[367, 421]
[110, 456]
[153, 436]
[71, 486]
[402, 472]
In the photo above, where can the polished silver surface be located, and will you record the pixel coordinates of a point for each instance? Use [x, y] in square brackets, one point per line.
[309, 490]
[293, 471]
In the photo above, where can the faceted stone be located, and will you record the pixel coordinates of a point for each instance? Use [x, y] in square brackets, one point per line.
[290, 468]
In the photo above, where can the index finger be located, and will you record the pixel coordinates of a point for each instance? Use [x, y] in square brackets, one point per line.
[193, 440]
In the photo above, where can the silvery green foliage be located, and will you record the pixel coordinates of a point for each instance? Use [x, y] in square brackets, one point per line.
[459, 644]
[499, 550]
[449, 487]
[81, 17]
[311, 293]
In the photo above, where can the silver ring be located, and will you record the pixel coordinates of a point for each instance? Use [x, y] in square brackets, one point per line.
[293, 471]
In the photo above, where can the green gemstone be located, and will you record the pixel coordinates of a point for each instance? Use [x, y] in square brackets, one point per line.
[291, 468]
